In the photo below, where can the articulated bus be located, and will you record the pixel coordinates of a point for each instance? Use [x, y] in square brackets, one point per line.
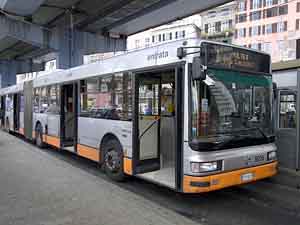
[192, 115]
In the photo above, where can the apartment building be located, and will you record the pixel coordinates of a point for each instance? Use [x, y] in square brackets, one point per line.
[185, 28]
[269, 25]
[218, 23]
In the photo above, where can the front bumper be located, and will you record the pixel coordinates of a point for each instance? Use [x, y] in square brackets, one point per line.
[192, 184]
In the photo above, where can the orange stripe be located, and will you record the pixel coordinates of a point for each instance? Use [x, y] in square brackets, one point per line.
[228, 179]
[54, 141]
[88, 152]
[127, 166]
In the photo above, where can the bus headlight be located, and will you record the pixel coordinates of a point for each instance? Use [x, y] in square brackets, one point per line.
[200, 167]
[272, 155]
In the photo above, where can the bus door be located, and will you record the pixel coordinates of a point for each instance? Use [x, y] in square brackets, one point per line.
[2, 111]
[9, 113]
[28, 109]
[69, 116]
[287, 126]
[146, 123]
[16, 112]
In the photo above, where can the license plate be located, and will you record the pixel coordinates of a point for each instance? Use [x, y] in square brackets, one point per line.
[247, 177]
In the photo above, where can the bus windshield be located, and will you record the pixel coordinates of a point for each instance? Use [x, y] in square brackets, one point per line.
[231, 109]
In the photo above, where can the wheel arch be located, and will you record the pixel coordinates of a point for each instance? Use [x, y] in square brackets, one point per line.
[105, 138]
[37, 123]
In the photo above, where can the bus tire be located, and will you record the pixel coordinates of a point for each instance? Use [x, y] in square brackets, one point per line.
[113, 159]
[39, 136]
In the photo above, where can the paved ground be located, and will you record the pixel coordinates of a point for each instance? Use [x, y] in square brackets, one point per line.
[52, 188]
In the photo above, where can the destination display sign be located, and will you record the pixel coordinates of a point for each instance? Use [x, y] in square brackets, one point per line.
[236, 58]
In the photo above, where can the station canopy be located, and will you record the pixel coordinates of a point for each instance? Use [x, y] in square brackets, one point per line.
[114, 18]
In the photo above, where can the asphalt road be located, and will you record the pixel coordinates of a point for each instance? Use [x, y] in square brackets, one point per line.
[50, 188]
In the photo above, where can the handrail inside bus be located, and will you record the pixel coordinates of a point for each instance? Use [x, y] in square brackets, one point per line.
[149, 127]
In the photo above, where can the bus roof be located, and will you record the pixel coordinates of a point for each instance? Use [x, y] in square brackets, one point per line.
[141, 59]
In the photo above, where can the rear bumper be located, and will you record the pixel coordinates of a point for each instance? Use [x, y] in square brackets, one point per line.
[193, 184]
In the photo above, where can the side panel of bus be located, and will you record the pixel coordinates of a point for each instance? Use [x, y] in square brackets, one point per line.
[26, 109]
[46, 114]
[104, 113]
[91, 133]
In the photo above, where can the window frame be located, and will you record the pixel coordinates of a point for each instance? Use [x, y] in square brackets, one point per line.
[41, 95]
[242, 6]
[57, 99]
[298, 7]
[115, 93]
[36, 94]
[255, 15]
[286, 92]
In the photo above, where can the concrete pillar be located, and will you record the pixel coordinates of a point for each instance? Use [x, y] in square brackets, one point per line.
[8, 70]
[72, 45]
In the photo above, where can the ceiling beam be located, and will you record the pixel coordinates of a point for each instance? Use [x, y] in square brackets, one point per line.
[137, 14]
[161, 13]
[74, 6]
[10, 48]
[102, 13]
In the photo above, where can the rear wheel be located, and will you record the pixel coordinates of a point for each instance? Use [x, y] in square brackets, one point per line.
[39, 136]
[113, 160]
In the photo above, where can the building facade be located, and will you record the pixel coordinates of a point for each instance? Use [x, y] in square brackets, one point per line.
[218, 23]
[269, 25]
[185, 28]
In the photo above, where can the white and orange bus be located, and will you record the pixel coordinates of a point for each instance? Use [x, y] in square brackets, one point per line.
[191, 115]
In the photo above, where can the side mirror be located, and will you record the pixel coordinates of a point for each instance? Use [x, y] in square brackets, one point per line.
[198, 69]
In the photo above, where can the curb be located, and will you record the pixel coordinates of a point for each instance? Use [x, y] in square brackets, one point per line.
[287, 177]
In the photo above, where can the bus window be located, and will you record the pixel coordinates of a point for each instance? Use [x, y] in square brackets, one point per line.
[22, 103]
[122, 95]
[106, 97]
[53, 100]
[93, 101]
[167, 100]
[287, 117]
[148, 99]
[231, 102]
[9, 103]
[44, 104]
[36, 100]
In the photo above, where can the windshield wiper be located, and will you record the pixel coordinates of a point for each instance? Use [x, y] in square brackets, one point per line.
[234, 140]
[247, 129]
[256, 128]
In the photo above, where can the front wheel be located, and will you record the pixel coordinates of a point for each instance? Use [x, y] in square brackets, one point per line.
[113, 160]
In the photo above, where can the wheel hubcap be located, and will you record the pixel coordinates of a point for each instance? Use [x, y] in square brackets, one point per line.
[113, 160]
